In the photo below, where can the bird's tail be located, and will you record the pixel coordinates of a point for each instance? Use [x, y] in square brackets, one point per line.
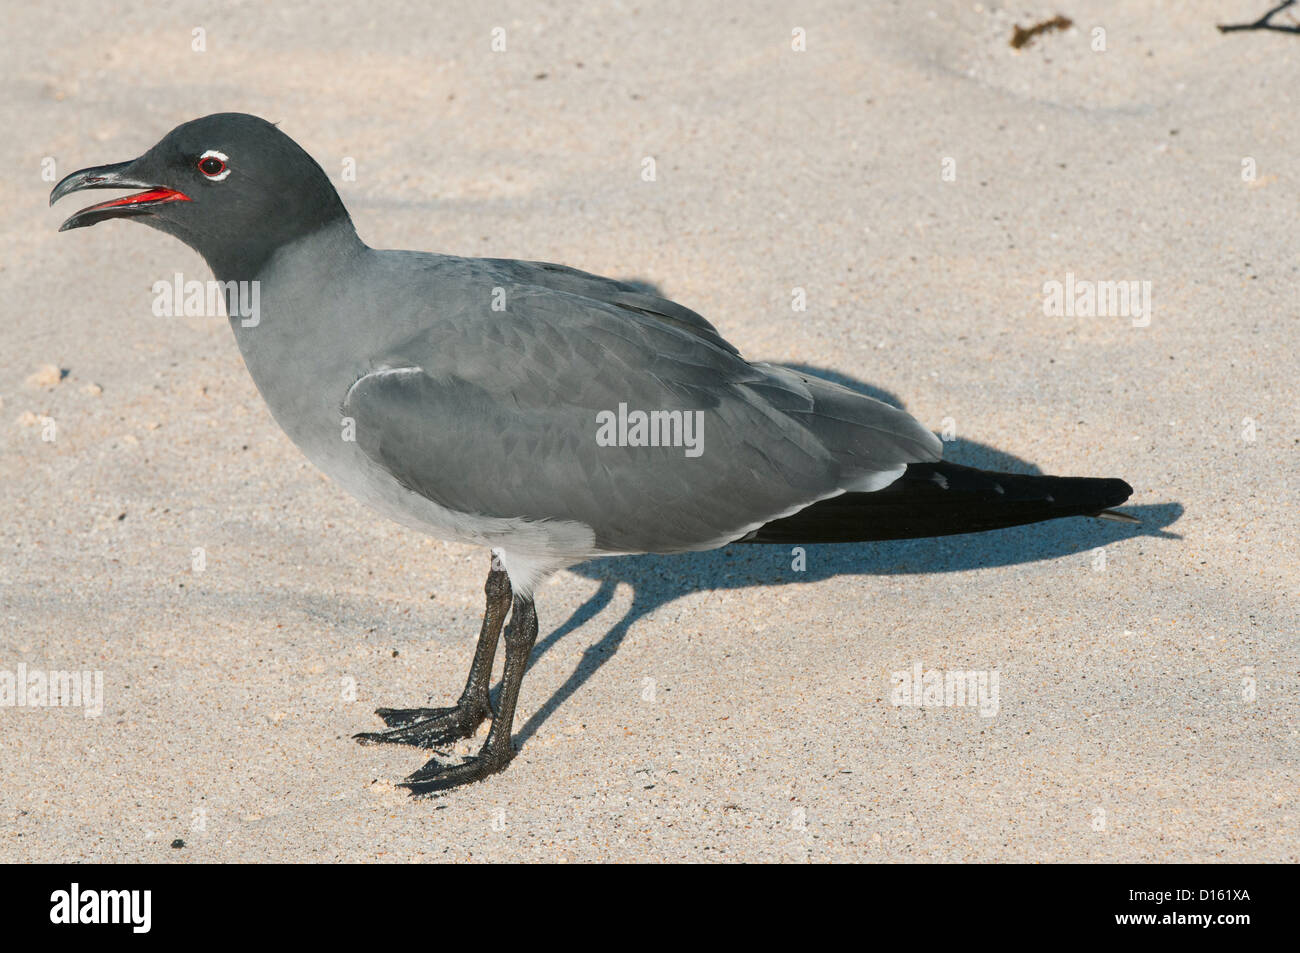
[943, 499]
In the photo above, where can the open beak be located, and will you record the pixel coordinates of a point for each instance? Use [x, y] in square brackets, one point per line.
[115, 176]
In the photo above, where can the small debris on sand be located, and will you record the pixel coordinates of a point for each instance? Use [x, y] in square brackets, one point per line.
[47, 375]
[1022, 37]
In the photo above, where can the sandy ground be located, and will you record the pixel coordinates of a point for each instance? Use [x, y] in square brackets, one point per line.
[713, 707]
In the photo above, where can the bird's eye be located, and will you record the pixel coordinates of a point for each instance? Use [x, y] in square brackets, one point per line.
[213, 164]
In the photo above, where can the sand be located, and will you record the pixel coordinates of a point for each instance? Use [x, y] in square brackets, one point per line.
[247, 616]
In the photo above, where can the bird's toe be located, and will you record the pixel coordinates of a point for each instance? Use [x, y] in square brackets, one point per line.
[436, 777]
[425, 727]
[400, 717]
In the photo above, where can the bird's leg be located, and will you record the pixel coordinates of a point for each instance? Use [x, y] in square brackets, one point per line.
[497, 750]
[432, 727]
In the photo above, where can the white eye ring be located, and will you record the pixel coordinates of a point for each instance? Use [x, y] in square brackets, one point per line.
[225, 161]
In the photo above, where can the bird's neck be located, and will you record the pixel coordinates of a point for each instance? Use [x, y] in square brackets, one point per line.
[288, 323]
[251, 258]
[288, 301]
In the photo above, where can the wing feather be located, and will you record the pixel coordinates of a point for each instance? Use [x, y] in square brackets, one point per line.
[494, 413]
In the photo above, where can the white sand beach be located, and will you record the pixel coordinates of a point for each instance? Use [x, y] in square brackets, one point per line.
[923, 183]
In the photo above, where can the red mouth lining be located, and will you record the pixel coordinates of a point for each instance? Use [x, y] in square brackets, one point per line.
[151, 197]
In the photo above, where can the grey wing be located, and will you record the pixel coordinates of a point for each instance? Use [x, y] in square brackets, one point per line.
[498, 414]
[621, 294]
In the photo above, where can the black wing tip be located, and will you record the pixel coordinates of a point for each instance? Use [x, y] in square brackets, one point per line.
[1119, 492]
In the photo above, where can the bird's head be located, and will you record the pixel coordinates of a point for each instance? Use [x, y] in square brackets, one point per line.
[231, 186]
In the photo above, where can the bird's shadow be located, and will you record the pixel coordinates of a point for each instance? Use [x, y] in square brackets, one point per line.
[659, 580]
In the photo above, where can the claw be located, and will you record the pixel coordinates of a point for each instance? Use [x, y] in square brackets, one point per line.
[435, 768]
[436, 777]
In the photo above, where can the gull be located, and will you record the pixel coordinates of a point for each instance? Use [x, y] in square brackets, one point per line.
[547, 414]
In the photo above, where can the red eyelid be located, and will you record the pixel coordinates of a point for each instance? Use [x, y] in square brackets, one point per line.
[219, 162]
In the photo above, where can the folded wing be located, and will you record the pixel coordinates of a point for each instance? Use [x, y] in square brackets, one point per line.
[499, 413]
